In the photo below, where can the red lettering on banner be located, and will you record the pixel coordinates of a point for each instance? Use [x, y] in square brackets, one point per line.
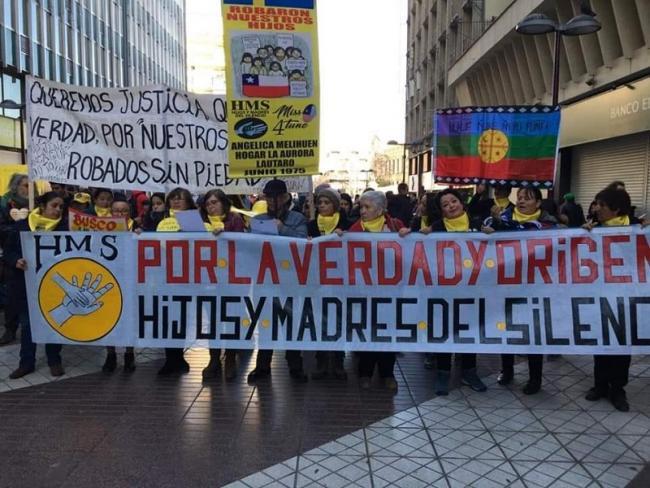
[184, 247]
[477, 259]
[458, 269]
[326, 265]
[642, 257]
[232, 260]
[143, 261]
[577, 263]
[382, 278]
[209, 264]
[516, 278]
[301, 265]
[542, 264]
[561, 262]
[267, 263]
[609, 261]
[364, 265]
[420, 263]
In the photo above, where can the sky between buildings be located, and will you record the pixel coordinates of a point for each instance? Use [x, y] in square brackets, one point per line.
[362, 66]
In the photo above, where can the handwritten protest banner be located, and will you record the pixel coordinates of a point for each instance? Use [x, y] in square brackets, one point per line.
[80, 222]
[149, 138]
[273, 87]
[542, 292]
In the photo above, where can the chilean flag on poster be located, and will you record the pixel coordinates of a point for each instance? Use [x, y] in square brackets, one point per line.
[264, 86]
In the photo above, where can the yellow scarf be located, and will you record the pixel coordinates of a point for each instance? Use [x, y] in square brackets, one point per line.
[458, 224]
[617, 221]
[502, 203]
[37, 222]
[102, 212]
[129, 224]
[523, 218]
[374, 225]
[326, 225]
[424, 222]
[216, 222]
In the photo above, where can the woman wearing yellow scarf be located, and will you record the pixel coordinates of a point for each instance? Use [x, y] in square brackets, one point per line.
[611, 372]
[455, 219]
[328, 220]
[46, 218]
[215, 210]
[374, 218]
[121, 208]
[177, 200]
[526, 215]
[102, 200]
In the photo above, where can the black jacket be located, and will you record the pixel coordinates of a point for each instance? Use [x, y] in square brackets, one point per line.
[15, 278]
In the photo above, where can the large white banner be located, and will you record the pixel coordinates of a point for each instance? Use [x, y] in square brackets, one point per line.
[569, 292]
[150, 138]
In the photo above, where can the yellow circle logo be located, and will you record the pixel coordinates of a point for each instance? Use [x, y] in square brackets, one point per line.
[493, 146]
[80, 299]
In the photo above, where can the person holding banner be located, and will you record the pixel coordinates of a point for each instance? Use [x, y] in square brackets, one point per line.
[374, 218]
[454, 219]
[329, 220]
[48, 216]
[289, 224]
[611, 372]
[102, 200]
[178, 199]
[121, 208]
[155, 214]
[525, 215]
[215, 210]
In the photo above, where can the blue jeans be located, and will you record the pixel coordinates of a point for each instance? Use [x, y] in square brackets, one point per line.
[28, 348]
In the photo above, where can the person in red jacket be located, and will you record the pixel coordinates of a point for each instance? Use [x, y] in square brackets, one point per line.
[374, 218]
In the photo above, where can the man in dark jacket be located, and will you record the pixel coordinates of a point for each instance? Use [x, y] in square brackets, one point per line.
[400, 206]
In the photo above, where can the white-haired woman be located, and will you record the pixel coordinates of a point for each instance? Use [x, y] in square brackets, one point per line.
[374, 218]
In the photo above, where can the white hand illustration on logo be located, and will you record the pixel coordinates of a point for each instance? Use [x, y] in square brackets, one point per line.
[78, 300]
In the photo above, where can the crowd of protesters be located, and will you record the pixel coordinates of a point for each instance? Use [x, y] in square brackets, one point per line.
[496, 209]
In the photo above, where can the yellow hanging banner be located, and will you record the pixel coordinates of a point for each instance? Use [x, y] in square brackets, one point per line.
[273, 87]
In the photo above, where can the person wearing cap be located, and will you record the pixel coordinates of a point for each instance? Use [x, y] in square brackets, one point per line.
[329, 220]
[81, 202]
[290, 224]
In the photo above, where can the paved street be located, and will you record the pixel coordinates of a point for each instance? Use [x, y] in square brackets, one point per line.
[91, 429]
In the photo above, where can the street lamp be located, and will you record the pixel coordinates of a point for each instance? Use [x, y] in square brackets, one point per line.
[11, 105]
[536, 24]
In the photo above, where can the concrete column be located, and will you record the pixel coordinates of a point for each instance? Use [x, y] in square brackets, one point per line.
[571, 45]
[643, 8]
[532, 60]
[545, 61]
[510, 61]
[629, 26]
[519, 55]
[610, 43]
[497, 85]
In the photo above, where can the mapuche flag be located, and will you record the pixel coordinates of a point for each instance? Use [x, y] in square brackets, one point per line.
[515, 145]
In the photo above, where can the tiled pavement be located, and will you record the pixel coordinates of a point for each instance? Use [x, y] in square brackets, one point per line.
[141, 430]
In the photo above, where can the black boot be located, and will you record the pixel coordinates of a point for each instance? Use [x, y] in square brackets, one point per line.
[111, 363]
[213, 369]
[321, 366]
[129, 362]
[8, 337]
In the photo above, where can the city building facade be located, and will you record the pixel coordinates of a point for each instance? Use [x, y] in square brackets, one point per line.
[604, 88]
[102, 43]
[439, 31]
[347, 170]
[604, 81]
